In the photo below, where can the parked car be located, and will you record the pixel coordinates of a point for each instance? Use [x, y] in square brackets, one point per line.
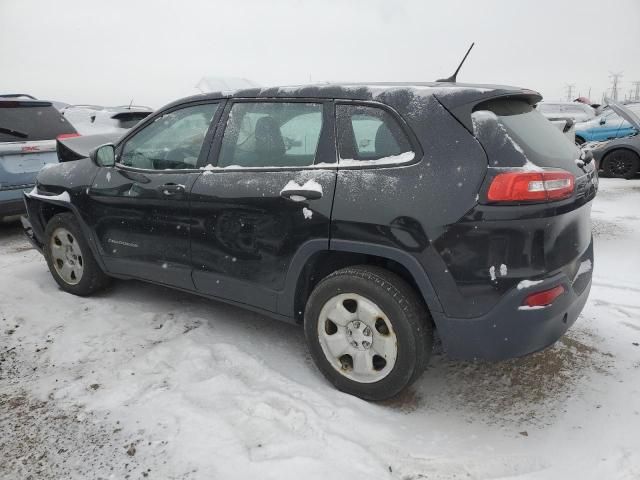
[25, 96]
[619, 158]
[564, 115]
[578, 112]
[28, 132]
[371, 214]
[606, 126]
[94, 119]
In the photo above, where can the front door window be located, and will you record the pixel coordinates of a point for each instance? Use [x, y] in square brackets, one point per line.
[172, 141]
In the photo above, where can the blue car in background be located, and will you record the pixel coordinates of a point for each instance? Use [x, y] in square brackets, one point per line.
[606, 126]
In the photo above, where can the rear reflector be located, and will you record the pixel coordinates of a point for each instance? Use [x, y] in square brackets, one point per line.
[62, 136]
[544, 298]
[531, 186]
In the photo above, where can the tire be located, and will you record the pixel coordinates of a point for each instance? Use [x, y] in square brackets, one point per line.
[621, 164]
[64, 240]
[579, 140]
[399, 333]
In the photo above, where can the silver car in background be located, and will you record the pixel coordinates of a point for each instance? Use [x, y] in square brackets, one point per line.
[96, 119]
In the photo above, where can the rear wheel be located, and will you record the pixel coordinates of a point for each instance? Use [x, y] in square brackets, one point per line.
[69, 257]
[579, 140]
[621, 164]
[368, 332]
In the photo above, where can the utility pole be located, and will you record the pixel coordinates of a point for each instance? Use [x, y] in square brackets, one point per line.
[636, 95]
[569, 88]
[615, 80]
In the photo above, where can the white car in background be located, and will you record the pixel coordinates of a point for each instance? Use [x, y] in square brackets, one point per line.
[576, 111]
[564, 115]
[95, 119]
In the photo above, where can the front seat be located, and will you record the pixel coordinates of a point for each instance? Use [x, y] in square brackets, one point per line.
[270, 147]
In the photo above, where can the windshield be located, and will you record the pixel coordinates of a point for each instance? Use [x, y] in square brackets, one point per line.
[512, 131]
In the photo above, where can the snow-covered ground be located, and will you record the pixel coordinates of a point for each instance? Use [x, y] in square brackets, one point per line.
[144, 382]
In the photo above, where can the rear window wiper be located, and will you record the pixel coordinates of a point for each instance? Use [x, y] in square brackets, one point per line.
[16, 133]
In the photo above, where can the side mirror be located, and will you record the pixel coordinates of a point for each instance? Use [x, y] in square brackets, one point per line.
[104, 155]
[603, 121]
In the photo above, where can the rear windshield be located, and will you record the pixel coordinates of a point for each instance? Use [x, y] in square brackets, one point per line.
[26, 121]
[129, 120]
[515, 134]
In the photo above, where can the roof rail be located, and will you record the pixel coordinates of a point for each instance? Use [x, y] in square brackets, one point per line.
[17, 95]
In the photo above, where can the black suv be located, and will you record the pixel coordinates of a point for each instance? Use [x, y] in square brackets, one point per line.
[372, 214]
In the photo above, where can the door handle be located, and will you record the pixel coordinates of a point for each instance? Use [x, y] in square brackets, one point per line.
[170, 189]
[301, 195]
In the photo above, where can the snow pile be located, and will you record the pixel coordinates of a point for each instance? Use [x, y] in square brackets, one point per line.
[293, 186]
[401, 158]
[148, 382]
[528, 284]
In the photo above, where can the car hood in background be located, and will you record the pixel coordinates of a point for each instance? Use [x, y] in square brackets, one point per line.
[75, 148]
[625, 113]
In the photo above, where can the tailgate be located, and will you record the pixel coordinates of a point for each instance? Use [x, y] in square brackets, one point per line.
[21, 161]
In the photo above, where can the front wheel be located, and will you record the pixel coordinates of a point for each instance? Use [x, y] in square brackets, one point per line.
[368, 332]
[69, 257]
[621, 164]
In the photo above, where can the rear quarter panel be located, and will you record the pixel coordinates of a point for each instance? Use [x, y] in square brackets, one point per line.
[408, 207]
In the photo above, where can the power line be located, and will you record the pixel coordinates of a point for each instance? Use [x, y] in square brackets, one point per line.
[615, 80]
[569, 88]
[636, 95]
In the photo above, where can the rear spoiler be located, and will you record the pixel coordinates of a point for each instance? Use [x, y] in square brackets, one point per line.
[17, 95]
[75, 148]
[461, 104]
[12, 103]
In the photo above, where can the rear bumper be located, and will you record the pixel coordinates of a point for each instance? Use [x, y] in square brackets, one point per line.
[11, 202]
[508, 331]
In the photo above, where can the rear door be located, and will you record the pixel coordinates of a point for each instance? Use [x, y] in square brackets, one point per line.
[28, 132]
[264, 197]
[139, 209]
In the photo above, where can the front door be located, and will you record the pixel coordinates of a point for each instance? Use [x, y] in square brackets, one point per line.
[265, 199]
[140, 207]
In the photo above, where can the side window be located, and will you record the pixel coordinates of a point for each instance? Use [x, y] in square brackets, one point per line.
[172, 141]
[271, 134]
[370, 133]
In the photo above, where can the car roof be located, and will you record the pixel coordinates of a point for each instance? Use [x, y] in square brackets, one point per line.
[456, 93]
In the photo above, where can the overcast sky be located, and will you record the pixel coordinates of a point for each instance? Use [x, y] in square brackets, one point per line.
[107, 52]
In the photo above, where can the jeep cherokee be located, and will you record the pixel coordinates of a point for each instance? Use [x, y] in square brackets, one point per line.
[373, 214]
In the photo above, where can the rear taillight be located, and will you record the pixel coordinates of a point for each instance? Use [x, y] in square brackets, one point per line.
[62, 136]
[531, 186]
[544, 298]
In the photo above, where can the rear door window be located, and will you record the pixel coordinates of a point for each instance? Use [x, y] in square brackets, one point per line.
[27, 121]
[272, 134]
[367, 133]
